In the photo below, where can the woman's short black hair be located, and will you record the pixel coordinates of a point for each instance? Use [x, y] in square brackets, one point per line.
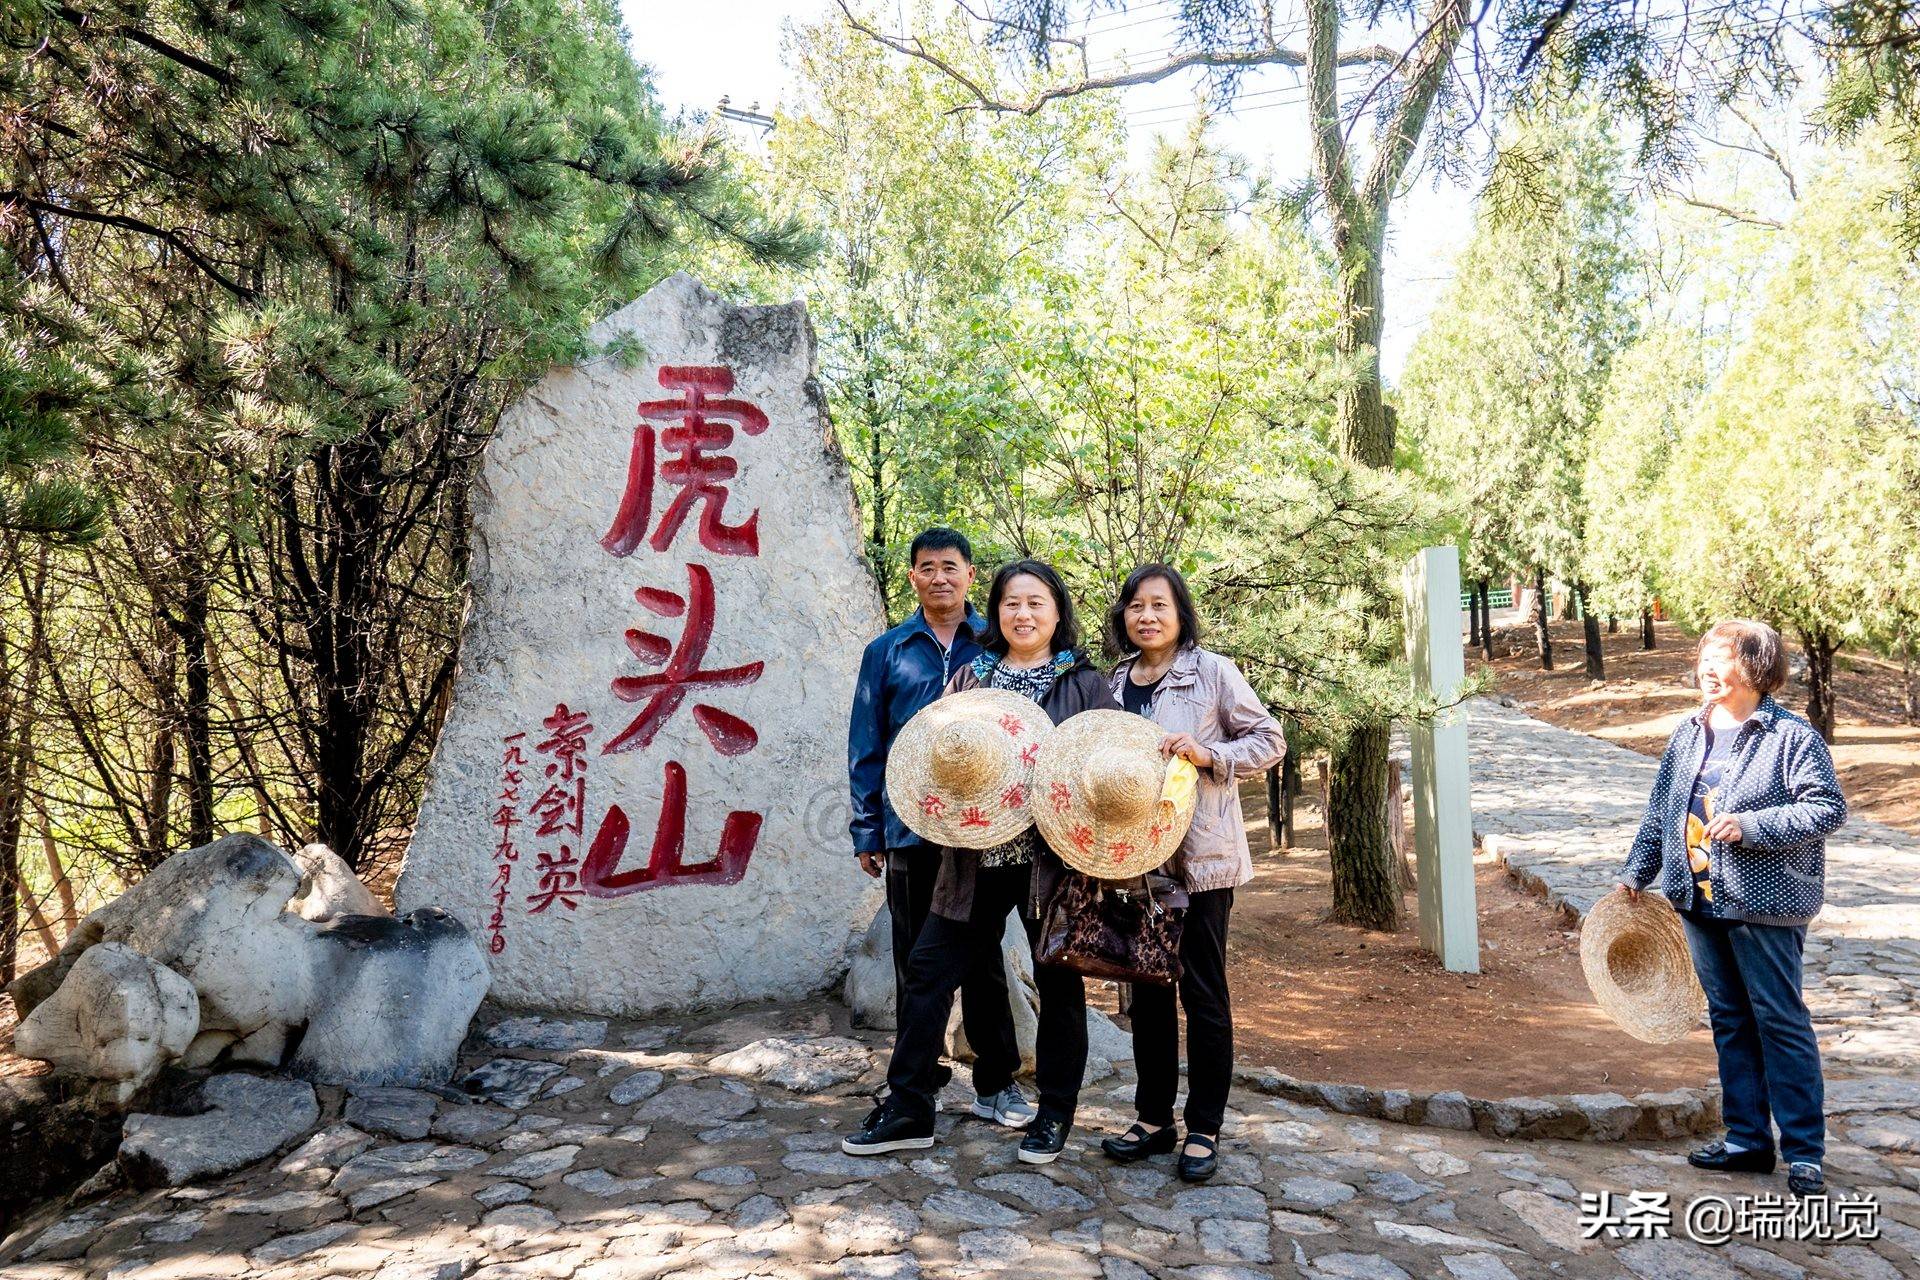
[1116, 638]
[1066, 634]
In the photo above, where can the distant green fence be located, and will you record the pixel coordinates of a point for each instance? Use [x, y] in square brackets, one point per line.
[1497, 598]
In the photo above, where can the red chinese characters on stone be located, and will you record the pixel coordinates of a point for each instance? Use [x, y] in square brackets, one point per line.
[694, 463]
[666, 861]
[667, 688]
[505, 818]
[559, 810]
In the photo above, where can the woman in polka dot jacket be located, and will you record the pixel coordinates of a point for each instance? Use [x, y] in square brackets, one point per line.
[1735, 837]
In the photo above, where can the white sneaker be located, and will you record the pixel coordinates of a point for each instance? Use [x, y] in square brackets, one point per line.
[1008, 1107]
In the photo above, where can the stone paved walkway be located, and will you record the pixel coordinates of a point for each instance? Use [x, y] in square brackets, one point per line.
[1561, 809]
[708, 1150]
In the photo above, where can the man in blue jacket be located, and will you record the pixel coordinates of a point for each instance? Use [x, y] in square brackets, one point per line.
[900, 673]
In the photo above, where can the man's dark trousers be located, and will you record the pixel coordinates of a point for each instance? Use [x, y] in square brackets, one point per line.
[984, 1012]
[1769, 1058]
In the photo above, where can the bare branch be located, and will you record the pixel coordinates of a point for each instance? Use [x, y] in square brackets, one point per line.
[1429, 60]
[1223, 59]
[1735, 215]
[1766, 149]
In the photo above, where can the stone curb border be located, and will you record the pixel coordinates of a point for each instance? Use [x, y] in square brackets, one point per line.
[1585, 1117]
[1572, 903]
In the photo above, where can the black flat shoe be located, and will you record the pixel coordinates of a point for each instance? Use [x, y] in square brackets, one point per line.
[1138, 1144]
[1716, 1157]
[1198, 1168]
[1805, 1179]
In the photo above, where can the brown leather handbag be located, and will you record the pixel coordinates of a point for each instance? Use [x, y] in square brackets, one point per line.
[1126, 930]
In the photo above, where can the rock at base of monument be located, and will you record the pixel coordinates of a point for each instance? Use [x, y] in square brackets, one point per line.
[53, 1134]
[799, 1065]
[869, 989]
[118, 1019]
[247, 1118]
[329, 889]
[393, 998]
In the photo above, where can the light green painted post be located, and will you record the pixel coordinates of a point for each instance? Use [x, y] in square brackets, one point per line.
[1442, 812]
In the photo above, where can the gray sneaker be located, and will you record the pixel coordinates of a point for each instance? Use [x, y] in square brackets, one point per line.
[1008, 1107]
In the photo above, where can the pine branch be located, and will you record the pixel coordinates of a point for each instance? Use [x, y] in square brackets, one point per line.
[126, 222]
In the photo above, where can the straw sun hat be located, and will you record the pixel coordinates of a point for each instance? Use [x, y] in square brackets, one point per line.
[1105, 800]
[1638, 967]
[959, 772]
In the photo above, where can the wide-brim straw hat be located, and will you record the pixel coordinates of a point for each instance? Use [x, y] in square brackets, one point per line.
[1634, 953]
[1105, 800]
[959, 773]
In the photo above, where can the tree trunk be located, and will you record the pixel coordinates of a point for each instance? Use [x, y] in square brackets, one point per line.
[198, 721]
[1613, 624]
[19, 694]
[1473, 618]
[1646, 627]
[1397, 824]
[1909, 684]
[1486, 619]
[1820, 647]
[1590, 628]
[1366, 885]
[1540, 631]
[1289, 787]
[1276, 810]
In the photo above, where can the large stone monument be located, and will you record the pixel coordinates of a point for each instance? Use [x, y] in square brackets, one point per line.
[639, 798]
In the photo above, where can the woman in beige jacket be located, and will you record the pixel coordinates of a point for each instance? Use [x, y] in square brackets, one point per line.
[1213, 718]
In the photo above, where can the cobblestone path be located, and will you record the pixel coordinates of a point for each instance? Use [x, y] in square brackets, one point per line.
[1561, 809]
[708, 1150]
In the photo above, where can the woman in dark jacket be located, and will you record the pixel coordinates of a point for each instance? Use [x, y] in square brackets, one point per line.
[1032, 647]
[1735, 837]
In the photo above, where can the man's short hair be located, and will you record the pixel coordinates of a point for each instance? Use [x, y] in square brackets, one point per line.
[1757, 650]
[940, 538]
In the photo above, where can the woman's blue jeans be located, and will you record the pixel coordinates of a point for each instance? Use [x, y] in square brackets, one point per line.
[1769, 1058]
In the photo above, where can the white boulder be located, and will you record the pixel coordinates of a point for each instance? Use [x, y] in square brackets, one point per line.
[329, 889]
[117, 1018]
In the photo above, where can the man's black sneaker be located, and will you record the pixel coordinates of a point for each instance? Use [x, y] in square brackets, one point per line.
[1046, 1139]
[892, 1131]
[880, 1105]
[1716, 1157]
[1805, 1179]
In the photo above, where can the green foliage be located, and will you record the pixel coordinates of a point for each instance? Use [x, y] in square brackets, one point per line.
[276, 270]
[1793, 494]
[1503, 389]
[1091, 362]
[1650, 394]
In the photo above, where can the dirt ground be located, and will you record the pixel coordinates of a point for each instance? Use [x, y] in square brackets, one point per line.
[1876, 752]
[1325, 1002]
